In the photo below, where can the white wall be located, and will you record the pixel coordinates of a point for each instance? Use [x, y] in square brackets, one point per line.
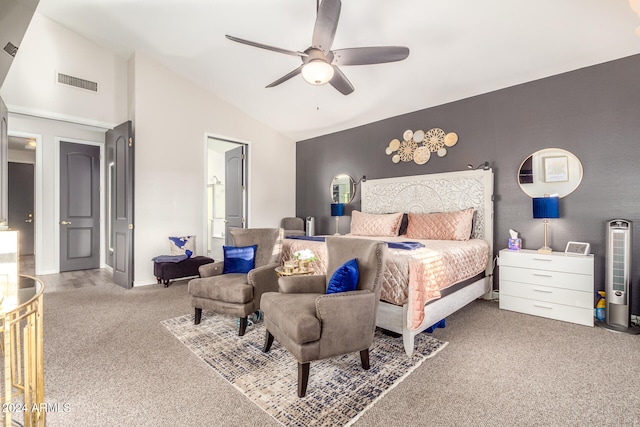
[33, 98]
[46, 215]
[48, 48]
[172, 118]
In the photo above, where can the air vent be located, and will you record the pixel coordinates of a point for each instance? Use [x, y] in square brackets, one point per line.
[11, 49]
[77, 82]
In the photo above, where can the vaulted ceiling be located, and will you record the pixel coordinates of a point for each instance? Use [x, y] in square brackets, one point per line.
[459, 48]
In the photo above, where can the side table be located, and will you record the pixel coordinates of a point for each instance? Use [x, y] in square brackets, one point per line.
[280, 272]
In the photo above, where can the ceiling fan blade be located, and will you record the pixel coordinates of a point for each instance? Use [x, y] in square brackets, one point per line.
[267, 47]
[287, 76]
[326, 25]
[369, 55]
[341, 82]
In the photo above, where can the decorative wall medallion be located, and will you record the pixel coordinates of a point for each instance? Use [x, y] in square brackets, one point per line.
[434, 139]
[406, 150]
[421, 155]
[418, 145]
[450, 139]
[418, 136]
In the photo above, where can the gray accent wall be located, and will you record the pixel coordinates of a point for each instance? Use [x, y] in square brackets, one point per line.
[593, 112]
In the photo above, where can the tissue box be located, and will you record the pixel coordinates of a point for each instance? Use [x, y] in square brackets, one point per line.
[515, 244]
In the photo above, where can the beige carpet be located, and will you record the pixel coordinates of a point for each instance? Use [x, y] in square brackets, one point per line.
[339, 389]
[110, 359]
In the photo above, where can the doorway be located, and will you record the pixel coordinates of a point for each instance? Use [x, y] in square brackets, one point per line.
[226, 191]
[79, 206]
[21, 197]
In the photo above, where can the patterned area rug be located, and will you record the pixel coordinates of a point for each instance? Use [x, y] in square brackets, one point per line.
[339, 389]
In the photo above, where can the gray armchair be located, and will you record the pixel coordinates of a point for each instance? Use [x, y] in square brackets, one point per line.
[238, 293]
[292, 226]
[314, 325]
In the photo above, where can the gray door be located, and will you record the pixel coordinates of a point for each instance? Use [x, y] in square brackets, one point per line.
[4, 147]
[79, 206]
[234, 194]
[119, 144]
[21, 199]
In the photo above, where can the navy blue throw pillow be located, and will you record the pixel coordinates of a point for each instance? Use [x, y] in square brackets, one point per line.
[345, 278]
[239, 259]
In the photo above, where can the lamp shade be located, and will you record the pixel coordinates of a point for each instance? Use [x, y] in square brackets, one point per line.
[317, 72]
[546, 207]
[337, 209]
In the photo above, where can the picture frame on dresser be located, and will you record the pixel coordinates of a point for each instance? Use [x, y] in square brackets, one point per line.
[577, 248]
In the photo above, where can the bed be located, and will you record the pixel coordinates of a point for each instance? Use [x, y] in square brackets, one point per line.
[423, 285]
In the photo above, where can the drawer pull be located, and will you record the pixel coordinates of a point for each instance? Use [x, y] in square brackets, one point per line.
[544, 291]
[542, 259]
[542, 275]
[542, 306]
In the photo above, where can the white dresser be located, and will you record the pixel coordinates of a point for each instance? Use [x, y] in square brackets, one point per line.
[556, 285]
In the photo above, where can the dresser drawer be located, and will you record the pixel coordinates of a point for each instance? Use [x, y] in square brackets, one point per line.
[556, 279]
[546, 294]
[556, 262]
[582, 316]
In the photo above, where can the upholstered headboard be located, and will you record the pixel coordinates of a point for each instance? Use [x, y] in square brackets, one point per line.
[441, 192]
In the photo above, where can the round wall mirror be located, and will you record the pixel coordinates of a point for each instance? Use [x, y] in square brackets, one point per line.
[343, 188]
[550, 171]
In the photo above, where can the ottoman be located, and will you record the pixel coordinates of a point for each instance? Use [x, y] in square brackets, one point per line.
[165, 271]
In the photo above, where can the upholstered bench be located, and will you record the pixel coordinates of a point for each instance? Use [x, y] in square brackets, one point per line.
[165, 271]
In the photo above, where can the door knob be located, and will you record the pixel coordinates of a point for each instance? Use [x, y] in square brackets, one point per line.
[65, 222]
[28, 220]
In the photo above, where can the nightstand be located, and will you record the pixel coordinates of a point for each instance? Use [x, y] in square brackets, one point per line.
[557, 286]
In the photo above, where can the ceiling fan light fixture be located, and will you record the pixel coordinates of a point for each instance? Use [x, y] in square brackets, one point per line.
[317, 72]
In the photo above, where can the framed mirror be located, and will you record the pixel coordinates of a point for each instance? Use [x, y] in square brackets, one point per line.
[550, 171]
[343, 188]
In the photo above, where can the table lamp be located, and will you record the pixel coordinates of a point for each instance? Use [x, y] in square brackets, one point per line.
[545, 208]
[337, 210]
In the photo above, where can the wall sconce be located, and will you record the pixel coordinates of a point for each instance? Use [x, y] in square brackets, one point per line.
[485, 166]
[337, 210]
[546, 208]
[363, 179]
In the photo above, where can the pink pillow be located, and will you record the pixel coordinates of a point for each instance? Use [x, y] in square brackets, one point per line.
[366, 224]
[441, 225]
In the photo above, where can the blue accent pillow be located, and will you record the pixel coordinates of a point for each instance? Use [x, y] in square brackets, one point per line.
[239, 259]
[345, 278]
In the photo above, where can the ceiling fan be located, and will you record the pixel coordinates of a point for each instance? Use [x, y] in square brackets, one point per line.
[320, 63]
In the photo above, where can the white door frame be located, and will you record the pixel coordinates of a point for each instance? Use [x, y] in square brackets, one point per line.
[37, 238]
[56, 198]
[247, 174]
